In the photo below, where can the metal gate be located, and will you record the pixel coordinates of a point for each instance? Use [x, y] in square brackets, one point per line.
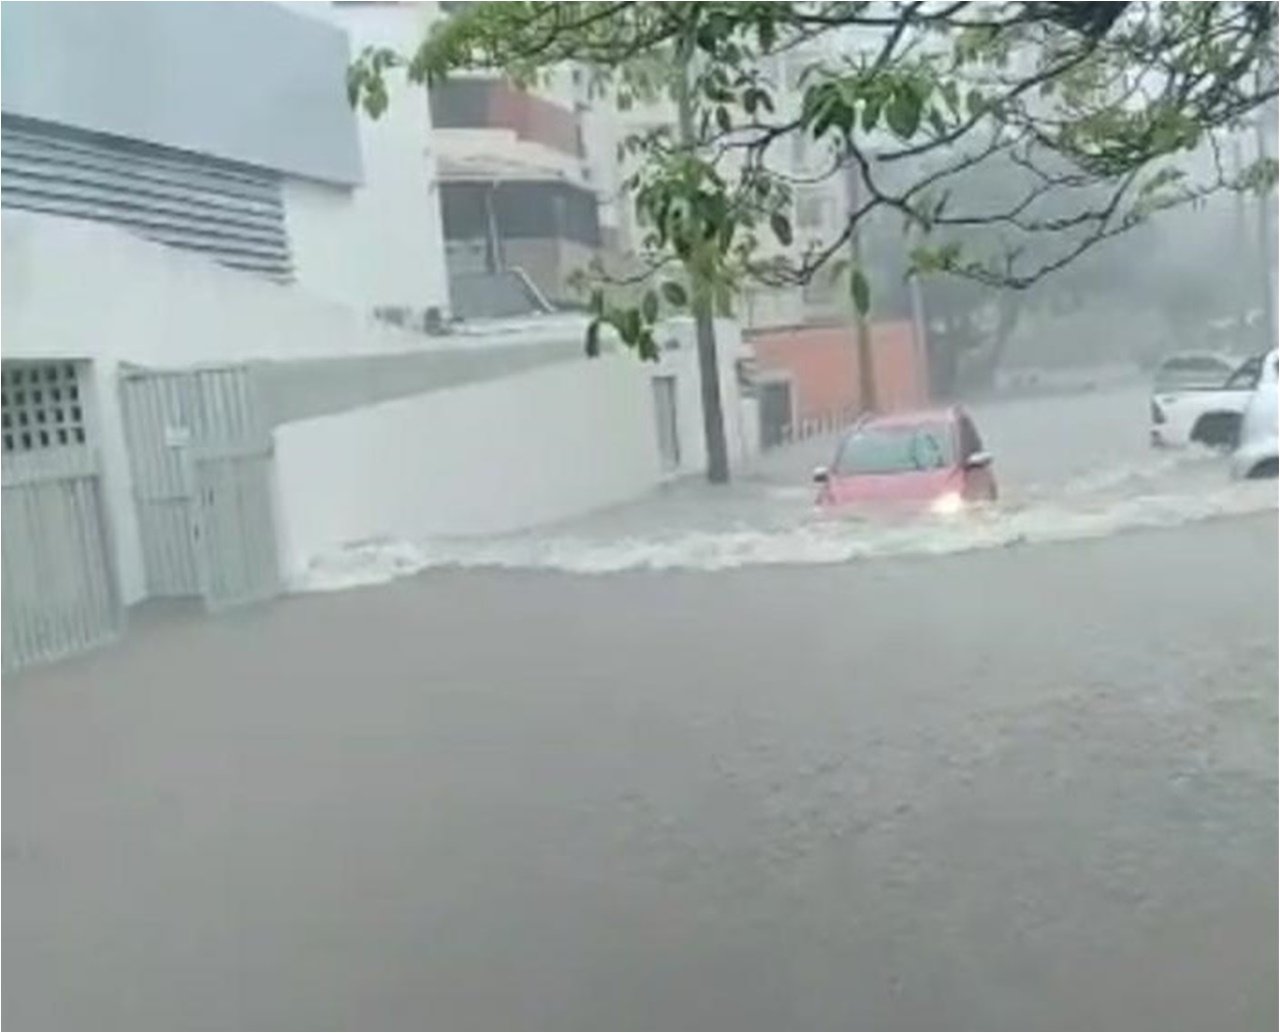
[60, 592]
[201, 458]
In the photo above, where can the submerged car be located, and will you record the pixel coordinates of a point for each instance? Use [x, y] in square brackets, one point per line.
[916, 462]
[1198, 399]
[1256, 455]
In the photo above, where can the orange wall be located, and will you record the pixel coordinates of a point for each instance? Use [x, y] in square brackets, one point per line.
[823, 363]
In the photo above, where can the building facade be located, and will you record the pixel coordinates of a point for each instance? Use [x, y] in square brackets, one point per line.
[203, 246]
[223, 130]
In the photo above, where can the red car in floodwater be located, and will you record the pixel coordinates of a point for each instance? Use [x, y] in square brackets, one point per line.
[917, 461]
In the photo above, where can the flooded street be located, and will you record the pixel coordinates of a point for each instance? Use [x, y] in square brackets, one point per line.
[1021, 787]
[1069, 466]
[406, 626]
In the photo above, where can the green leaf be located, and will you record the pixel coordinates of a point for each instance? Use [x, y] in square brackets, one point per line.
[650, 307]
[355, 82]
[860, 291]
[903, 112]
[767, 34]
[781, 227]
[871, 113]
[675, 293]
[755, 98]
[593, 339]
[631, 326]
[722, 119]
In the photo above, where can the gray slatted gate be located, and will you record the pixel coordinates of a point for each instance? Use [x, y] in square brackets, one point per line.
[60, 592]
[234, 525]
[201, 458]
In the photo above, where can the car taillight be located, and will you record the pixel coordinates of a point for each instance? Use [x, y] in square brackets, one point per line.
[1157, 414]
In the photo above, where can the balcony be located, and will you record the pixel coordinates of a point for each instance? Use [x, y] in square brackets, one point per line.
[547, 229]
[495, 104]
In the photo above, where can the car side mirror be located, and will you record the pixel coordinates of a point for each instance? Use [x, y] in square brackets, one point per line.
[821, 475]
[978, 461]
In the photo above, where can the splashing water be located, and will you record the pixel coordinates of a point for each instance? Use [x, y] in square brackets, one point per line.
[762, 523]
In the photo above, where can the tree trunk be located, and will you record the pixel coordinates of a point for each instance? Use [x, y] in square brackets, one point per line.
[709, 377]
[701, 302]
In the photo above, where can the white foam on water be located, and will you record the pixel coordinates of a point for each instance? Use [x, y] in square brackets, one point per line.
[360, 564]
[1080, 511]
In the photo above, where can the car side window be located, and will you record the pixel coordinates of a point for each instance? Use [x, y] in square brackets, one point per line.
[969, 440]
[1246, 376]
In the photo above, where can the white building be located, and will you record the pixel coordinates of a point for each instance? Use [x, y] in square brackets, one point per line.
[197, 234]
[526, 178]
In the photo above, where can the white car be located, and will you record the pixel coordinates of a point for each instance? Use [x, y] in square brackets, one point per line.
[1256, 455]
[1199, 399]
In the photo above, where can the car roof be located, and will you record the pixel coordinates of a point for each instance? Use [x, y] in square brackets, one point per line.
[1219, 358]
[913, 417]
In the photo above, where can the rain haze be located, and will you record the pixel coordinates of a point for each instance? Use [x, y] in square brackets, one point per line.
[632, 515]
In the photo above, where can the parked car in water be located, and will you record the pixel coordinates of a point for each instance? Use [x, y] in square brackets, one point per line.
[1198, 398]
[917, 461]
[1256, 455]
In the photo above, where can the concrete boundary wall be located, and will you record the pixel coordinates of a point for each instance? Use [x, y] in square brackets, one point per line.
[485, 458]
[502, 456]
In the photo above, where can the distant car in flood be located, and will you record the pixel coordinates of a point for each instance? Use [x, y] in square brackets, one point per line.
[1257, 454]
[1198, 399]
[917, 462]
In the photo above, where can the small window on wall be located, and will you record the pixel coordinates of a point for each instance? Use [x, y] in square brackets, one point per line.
[41, 406]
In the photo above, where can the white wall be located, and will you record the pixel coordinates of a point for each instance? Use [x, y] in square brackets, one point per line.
[381, 243]
[496, 457]
[742, 430]
[75, 289]
[483, 459]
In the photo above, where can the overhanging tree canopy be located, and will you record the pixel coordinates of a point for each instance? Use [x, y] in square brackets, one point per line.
[1090, 116]
[1097, 104]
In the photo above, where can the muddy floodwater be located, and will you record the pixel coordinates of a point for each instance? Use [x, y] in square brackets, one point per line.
[756, 770]
[1029, 787]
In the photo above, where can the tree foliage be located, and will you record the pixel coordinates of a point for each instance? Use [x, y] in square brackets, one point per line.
[1092, 116]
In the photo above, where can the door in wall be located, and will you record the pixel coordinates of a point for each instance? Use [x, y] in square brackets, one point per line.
[201, 452]
[664, 409]
[775, 412]
[59, 584]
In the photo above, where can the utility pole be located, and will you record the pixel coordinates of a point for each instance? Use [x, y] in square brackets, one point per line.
[701, 305]
[866, 364]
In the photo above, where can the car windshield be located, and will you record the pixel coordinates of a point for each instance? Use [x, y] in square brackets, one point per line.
[907, 449]
[1192, 372]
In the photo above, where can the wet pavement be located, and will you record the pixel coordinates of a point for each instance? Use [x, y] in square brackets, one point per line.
[1025, 787]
